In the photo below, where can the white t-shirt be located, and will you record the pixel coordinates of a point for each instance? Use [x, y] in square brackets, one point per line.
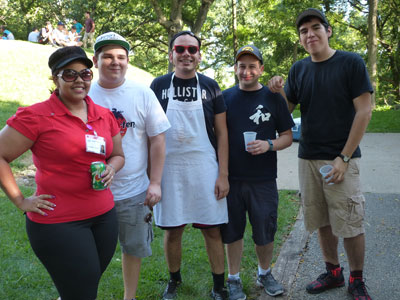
[140, 115]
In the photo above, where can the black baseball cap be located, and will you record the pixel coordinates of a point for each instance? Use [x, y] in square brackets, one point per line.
[249, 49]
[311, 12]
[64, 56]
[186, 32]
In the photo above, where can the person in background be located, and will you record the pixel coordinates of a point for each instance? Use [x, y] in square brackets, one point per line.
[46, 34]
[34, 35]
[72, 228]
[334, 93]
[73, 37]
[5, 33]
[195, 178]
[137, 188]
[59, 35]
[77, 25]
[89, 30]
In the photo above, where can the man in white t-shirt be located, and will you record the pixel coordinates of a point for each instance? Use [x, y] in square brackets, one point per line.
[143, 124]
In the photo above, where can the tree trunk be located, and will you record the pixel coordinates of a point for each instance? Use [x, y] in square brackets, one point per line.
[372, 45]
[174, 24]
[234, 33]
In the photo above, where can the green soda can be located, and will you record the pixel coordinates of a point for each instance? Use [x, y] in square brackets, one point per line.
[97, 168]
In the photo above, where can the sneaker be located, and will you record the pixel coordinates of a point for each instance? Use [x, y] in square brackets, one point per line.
[271, 286]
[358, 290]
[235, 289]
[170, 290]
[221, 294]
[325, 282]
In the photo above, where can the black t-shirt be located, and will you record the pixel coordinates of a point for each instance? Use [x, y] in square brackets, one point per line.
[263, 112]
[325, 91]
[186, 90]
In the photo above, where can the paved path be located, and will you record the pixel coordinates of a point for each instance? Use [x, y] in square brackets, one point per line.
[380, 164]
[300, 259]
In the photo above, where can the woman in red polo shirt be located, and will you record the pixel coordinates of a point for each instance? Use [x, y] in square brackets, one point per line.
[72, 228]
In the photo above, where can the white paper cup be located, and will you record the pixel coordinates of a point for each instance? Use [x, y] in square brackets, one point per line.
[249, 136]
[324, 170]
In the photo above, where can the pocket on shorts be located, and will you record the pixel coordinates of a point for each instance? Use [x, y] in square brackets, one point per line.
[356, 209]
[131, 214]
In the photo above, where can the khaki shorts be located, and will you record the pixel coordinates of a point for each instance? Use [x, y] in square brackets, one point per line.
[135, 226]
[339, 205]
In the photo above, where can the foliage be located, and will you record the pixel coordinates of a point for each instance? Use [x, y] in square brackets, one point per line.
[269, 24]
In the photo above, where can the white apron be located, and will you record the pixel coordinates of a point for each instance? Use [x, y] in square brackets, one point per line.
[190, 169]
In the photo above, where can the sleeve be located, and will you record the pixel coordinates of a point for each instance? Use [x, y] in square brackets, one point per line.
[285, 120]
[26, 122]
[156, 87]
[219, 103]
[156, 120]
[359, 77]
[290, 86]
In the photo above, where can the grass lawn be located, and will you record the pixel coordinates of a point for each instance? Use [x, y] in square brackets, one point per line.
[24, 277]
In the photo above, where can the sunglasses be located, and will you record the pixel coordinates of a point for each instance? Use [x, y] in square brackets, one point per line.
[69, 75]
[181, 49]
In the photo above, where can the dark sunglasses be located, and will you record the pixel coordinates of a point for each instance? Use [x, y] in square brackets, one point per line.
[181, 49]
[69, 75]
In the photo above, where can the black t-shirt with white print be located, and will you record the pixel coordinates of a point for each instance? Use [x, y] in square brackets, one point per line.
[261, 111]
[186, 90]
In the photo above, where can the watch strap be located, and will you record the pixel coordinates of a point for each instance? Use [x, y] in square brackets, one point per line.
[271, 145]
[345, 158]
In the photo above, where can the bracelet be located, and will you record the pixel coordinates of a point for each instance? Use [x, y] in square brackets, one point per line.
[112, 167]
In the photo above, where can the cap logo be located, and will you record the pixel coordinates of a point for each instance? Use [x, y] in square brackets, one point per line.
[248, 49]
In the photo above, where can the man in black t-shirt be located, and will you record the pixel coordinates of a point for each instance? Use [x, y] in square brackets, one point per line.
[195, 176]
[334, 93]
[253, 168]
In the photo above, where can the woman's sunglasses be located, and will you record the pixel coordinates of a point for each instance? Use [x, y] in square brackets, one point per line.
[69, 75]
[181, 49]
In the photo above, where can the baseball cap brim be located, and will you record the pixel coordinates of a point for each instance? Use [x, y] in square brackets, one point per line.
[100, 44]
[85, 60]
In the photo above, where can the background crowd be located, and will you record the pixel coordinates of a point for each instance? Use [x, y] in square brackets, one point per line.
[61, 35]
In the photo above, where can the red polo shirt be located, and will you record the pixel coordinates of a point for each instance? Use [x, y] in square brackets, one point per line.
[59, 154]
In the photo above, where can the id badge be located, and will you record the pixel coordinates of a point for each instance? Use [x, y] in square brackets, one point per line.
[95, 144]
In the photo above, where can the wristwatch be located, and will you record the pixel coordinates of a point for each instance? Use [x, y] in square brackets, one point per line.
[271, 145]
[345, 158]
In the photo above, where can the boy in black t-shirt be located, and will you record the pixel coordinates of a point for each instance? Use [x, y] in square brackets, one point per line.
[252, 172]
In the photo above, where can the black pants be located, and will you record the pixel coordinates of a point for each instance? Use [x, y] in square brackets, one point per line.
[75, 253]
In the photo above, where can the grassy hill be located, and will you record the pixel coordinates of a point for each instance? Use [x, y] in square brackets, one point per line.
[25, 74]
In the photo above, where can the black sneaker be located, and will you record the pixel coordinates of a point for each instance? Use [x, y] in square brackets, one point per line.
[325, 282]
[221, 294]
[359, 290]
[170, 290]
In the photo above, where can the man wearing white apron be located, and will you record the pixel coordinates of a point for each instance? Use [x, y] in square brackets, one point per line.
[195, 177]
